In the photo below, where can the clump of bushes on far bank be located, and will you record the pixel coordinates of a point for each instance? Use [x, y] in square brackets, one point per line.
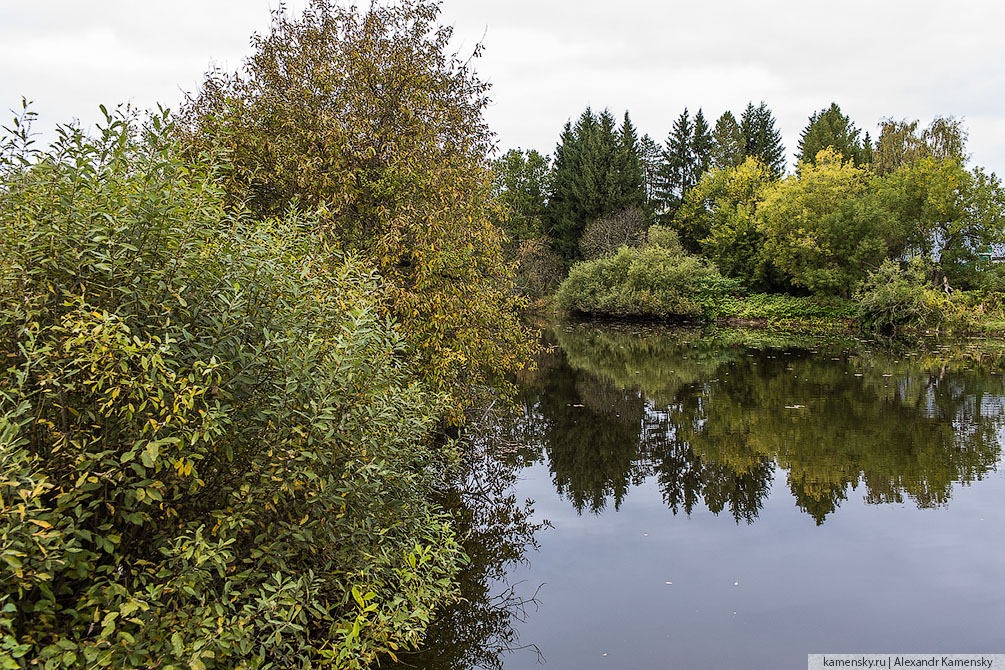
[895, 298]
[659, 279]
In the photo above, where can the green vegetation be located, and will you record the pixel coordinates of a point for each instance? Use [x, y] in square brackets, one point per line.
[324, 114]
[232, 340]
[659, 279]
[212, 452]
[818, 233]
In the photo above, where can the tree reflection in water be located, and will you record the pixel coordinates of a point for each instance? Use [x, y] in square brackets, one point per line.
[711, 415]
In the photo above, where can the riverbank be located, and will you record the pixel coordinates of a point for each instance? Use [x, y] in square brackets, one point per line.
[962, 313]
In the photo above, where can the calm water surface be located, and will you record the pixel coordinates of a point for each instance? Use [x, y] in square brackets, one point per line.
[740, 499]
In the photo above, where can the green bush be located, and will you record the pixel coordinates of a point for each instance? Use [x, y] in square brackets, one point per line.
[892, 298]
[666, 237]
[653, 281]
[210, 452]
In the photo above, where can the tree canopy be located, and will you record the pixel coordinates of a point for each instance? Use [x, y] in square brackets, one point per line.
[366, 118]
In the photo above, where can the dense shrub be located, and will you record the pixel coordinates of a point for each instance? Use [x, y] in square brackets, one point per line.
[653, 281]
[539, 269]
[210, 452]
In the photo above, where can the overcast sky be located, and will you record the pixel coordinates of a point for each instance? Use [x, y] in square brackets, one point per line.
[548, 60]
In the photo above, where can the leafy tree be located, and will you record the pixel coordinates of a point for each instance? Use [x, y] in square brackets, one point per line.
[830, 128]
[211, 452]
[720, 213]
[728, 150]
[900, 144]
[521, 181]
[950, 214]
[825, 228]
[761, 139]
[367, 119]
[606, 235]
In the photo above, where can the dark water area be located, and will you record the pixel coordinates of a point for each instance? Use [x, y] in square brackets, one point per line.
[735, 499]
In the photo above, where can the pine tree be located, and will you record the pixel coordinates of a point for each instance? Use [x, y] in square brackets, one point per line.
[761, 138]
[830, 128]
[728, 148]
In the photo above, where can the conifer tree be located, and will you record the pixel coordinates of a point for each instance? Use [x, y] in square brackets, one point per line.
[761, 138]
[830, 128]
[687, 157]
[651, 158]
[596, 172]
[701, 148]
[673, 174]
[727, 142]
[631, 177]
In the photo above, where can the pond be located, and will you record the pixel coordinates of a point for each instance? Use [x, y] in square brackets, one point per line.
[738, 499]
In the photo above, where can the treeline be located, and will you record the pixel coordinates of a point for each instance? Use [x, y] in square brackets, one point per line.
[233, 340]
[850, 205]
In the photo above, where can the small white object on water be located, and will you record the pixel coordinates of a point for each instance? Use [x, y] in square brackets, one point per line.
[736, 584]
[645, 534]
[669, 583]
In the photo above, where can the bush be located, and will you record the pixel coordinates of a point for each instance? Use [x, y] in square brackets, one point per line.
[539, 269]
[665, 237]
[654, 281]
[210, 452]
[778, 307]
[892, 298]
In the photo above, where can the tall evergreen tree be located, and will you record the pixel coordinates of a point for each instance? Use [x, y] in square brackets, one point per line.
[761, 138]
[631, 177]
[687, 157]
[727, 142]
[701, 148]
[596, 172]
[830, 128]
[651, 157]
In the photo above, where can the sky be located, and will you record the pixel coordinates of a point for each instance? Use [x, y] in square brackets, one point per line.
[548, 59]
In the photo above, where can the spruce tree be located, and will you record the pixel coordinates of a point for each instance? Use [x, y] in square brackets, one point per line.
[830, 128]
[631, 177]
[674, 173]
[761, 138]
[701, 149]
[651, 157]
[596, 172]
[728, 147]
[687, 157]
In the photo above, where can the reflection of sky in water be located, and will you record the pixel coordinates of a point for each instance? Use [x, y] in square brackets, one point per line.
[873, 578]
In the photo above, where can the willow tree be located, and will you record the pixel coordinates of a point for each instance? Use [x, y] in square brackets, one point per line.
[368, 119]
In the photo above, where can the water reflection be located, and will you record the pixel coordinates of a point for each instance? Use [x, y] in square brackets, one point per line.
[709, 415]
